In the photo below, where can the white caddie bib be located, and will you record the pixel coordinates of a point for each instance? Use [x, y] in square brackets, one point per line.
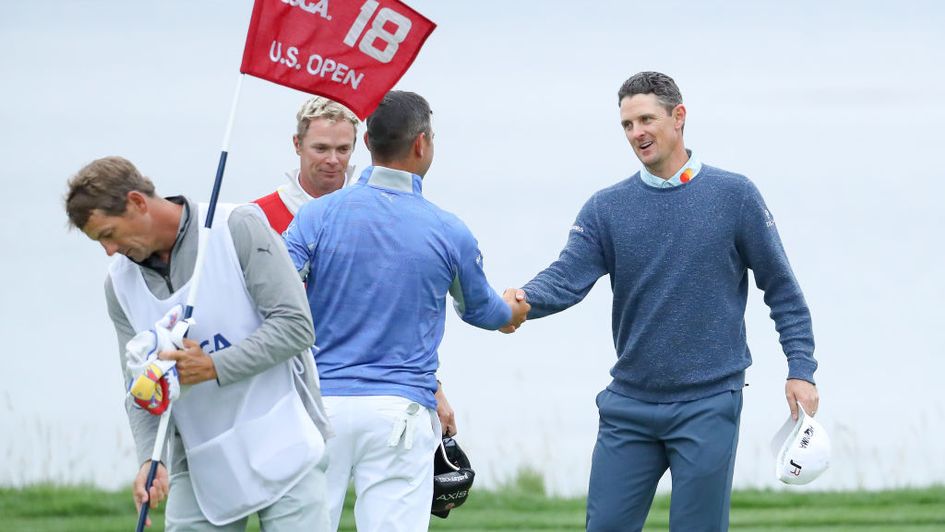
[249, 442]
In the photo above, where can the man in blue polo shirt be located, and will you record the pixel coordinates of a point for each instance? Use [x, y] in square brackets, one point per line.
[677, 240]
[379, 260]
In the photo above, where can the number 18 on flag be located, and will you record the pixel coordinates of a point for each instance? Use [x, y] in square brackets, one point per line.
[350, 51]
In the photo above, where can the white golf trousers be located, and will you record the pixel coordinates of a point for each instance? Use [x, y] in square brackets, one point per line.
[386, 444]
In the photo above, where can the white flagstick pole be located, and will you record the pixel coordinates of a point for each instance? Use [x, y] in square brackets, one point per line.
[155, 460]
[191, 296]
[214, 195]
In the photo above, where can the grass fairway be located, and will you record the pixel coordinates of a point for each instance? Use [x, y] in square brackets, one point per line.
[521, 506]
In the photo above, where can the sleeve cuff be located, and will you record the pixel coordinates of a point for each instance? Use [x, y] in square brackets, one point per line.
[802, 368]
[219, 366]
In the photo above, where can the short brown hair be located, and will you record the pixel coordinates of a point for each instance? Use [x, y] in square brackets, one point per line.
[663, 86]
[104, 184]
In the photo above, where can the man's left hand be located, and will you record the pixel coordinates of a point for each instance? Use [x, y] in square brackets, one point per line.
[193, 365]
[800, 391]
[445, 412]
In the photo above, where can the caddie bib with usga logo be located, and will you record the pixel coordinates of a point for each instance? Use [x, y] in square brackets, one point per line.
[249, 442]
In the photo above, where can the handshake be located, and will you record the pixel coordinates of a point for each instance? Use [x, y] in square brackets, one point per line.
[515, 299]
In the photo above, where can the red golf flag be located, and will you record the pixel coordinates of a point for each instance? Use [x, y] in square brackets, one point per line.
[351, 52]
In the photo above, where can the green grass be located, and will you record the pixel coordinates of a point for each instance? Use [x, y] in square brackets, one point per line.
[522, 505]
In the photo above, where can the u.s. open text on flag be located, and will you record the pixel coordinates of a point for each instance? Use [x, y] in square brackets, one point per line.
[350, 51]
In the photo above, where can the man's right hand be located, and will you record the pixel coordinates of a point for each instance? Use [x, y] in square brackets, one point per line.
[515, 299]
[159, 487]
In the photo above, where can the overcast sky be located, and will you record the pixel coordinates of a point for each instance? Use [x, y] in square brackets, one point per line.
[833, 109]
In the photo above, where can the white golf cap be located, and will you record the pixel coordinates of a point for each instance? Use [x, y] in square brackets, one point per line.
[801, 448]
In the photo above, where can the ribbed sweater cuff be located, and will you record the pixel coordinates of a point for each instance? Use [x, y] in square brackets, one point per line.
[802, 368]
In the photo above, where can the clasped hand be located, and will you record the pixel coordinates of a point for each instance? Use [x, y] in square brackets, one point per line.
[515, 299]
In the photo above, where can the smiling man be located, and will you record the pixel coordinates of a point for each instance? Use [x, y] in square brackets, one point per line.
[324, 141]
[250, 433]
[677, 239]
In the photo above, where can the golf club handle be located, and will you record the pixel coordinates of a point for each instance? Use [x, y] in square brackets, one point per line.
[143, 515]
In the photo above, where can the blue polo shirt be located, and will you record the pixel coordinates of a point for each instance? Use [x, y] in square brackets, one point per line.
[379, 260]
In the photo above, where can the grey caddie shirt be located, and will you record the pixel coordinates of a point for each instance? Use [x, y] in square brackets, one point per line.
[273, 284]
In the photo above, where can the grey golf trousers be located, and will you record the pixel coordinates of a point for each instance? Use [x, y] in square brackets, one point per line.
[304, 507]
[636, 443]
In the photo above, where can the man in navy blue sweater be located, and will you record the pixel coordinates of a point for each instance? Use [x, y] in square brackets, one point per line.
[677, 240]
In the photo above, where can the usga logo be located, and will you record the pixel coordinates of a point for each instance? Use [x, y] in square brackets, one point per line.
[219, 342]
[315, 8]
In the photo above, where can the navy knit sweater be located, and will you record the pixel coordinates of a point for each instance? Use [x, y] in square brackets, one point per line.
[678, 261]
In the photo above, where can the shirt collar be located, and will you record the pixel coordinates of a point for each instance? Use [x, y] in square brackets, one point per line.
[687, 173]
[292, 194]
[154, 262]
[380, 176]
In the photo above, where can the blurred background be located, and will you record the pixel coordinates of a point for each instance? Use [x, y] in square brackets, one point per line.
[832, 108]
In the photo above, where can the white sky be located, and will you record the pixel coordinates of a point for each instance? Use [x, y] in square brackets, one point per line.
[832, 108]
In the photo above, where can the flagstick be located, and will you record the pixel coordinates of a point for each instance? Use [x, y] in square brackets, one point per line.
[155, 460]
[192, 295]
[214, 195]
